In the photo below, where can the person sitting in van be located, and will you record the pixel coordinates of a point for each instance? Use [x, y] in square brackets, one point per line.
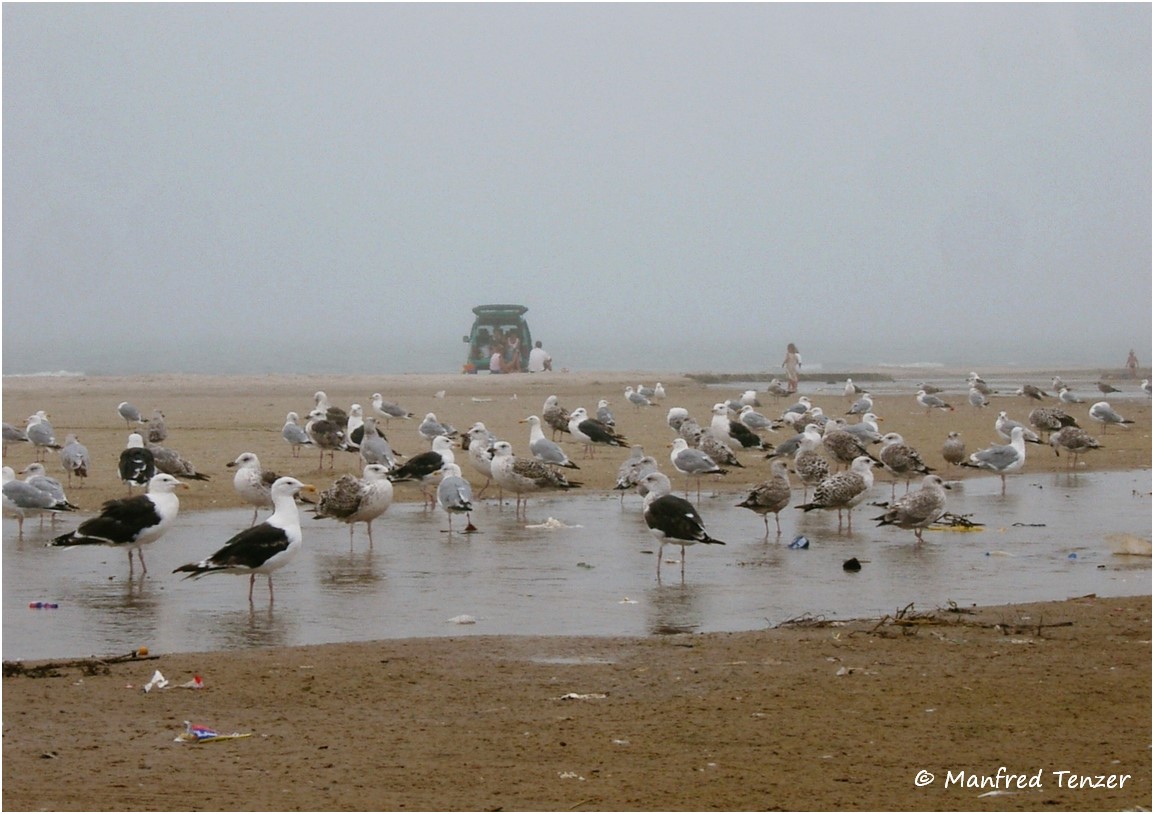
[496, 361]
[512, 359]
[539, 359]
[484, 345]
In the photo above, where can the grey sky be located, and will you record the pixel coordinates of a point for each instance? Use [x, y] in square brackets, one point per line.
[876, 183]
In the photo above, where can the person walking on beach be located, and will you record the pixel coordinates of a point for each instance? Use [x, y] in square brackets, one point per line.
[792, 364]
[1132, 364]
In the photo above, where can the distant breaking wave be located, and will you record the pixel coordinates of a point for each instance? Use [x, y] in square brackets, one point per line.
[46, 374]
[908, 365]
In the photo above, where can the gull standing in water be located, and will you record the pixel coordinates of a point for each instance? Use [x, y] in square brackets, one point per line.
[918, 509]
[1075, 441]
[358, 500]
[455, 496]
[672, 519]
[1001, 458]
[770, 496]
[844, 490]
[262, 549]
[132, 522]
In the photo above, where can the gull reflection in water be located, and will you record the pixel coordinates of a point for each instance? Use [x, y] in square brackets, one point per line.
[674, 609]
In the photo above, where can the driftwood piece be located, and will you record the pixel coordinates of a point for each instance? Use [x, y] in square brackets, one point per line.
[90, 666]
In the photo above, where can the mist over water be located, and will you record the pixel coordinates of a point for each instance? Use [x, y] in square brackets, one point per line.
[358, 353]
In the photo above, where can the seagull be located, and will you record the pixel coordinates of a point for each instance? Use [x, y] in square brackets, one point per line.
[954, 449]
[636, 399]
[844, 490]
[375, 448]
[13, 435]
[74, 458]
[1057, 383]
[754, 420]
[388, 409]
[455, 496]
[590, 432]
[808, 463]
[1146, 386]
[327, 435]
[41, 434]
[1004, 424]
[131, 522]
[358, 500]
[521, 475]
[1029, 391]
[263, 548]
[719, 451]
[918, 509]
[692, 463]
[355, 428]
[672, 519]
[170, 461]
[976, 382]
[1050, 419]
[732, 433]
[929, 389]
[863, 405]
[659, 391]
[634, 468]
[843, 446]
[543, 449]
[129, 413]
[252, 483]
[852, 389]
[1107, 416]
[691, 431]
[977, 398]
[901, 460]
[866, 430]
[771, 495]
[157, 430]
[22, 499]
[294, 434]
[333, 414]
[556, 416]
[1105, 388]
[1001, 458]
[430, 428]
[647, 392]
[604, 415]
[424, 466]
[1067, 396]
[480, 441]
[37, 477]
[136, 465]
[801, 407]
[675, 417]
[930, 402]
[777, 388]
[1075, 440]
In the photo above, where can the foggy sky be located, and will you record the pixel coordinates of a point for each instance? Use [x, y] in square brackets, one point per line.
[706, 183]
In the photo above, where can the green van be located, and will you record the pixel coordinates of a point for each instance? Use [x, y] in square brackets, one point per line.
[496, 320]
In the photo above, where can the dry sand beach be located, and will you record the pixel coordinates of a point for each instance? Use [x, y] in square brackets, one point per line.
[813, 716]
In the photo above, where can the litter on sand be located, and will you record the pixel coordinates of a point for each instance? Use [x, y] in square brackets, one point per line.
[158, 681]
[198, 733]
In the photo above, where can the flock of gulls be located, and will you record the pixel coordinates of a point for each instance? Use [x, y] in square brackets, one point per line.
[835, 456]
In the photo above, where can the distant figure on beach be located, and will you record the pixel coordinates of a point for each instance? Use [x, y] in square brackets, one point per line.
[792, 364]
[1132, 364]
[539, 359]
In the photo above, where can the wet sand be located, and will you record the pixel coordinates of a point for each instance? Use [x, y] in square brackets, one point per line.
[814, 717]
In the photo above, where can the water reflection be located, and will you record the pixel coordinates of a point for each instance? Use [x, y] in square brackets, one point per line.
[591, 573]
[674, 608]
